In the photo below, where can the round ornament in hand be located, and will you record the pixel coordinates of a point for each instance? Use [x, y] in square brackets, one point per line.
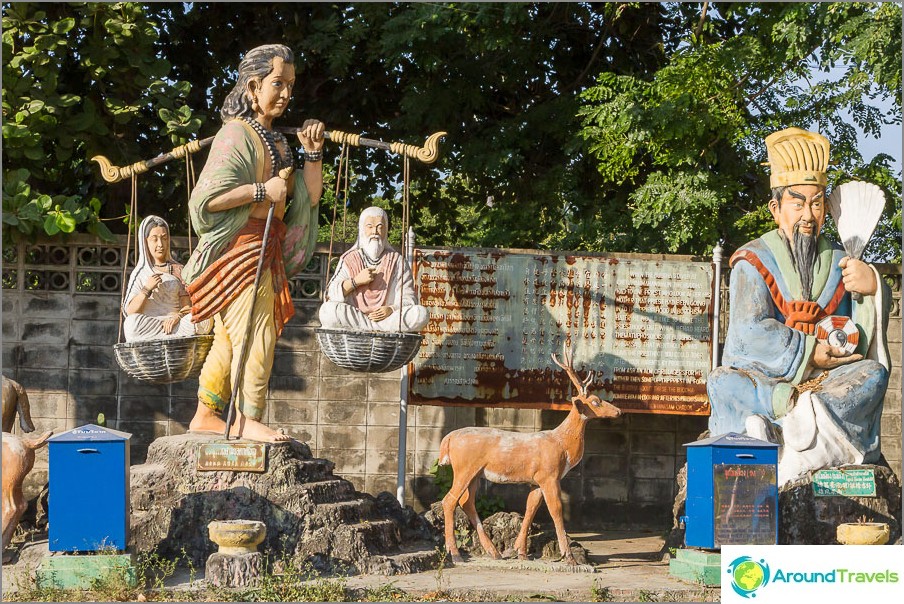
[838, 332]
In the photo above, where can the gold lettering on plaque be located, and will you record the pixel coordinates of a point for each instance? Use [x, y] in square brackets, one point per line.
[232, 456]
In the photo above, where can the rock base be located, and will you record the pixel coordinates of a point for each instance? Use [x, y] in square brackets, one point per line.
[234, 570]
[502, 528]
[805, 519]
[311, 514]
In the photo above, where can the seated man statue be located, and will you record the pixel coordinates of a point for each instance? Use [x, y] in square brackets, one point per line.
[364, 293]
[778, 383]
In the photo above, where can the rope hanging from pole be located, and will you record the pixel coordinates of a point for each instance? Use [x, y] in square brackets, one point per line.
[343, 160]
[133, 209]
[167, 360]
[406, 186]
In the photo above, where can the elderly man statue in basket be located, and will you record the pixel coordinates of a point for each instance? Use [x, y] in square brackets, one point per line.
[372, 288]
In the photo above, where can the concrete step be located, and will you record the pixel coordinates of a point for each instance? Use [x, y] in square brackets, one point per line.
[695, 566]
[379, 535]
[353, 511]
[405, 562]
[328, 491]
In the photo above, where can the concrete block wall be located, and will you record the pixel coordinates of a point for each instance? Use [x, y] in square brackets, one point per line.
[57, 342]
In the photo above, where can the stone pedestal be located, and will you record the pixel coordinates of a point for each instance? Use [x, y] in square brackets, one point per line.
[309, 512]
[862, 533]
[234, 570]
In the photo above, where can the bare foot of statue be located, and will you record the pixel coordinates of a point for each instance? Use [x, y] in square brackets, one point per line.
[206, 420]
[246, 428]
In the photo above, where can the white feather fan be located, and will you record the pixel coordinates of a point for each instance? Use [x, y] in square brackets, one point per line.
[856, 208]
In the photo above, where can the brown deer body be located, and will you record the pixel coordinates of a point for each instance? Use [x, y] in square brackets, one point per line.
[15, 400]
[18, 460]
[539, 458]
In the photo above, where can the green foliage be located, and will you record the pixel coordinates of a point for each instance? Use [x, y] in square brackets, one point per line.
[442, 477]
[81, 80]
[599, 593]
[150, 573]
[387, 592]
[681, 147]
[628, 127]
[293, 581]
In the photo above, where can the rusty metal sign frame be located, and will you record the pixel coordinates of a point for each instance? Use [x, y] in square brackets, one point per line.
[232, 457]
[478, 282]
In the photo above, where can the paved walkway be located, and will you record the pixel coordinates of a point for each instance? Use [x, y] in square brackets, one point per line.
[625, 567]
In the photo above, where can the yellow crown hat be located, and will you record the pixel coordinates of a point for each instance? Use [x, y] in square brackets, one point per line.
[797, 157]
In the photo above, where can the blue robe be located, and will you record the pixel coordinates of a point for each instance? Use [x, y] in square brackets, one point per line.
[764, 358]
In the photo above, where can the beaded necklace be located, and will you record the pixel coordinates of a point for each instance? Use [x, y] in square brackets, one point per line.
[368, 261]
[278, 161]
[168, 265]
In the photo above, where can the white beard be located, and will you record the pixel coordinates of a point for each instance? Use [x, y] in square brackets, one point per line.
[374, 247]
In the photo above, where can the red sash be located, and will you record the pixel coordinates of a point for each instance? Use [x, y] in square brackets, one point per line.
[373, 296]
[223, 281]
[801, 315]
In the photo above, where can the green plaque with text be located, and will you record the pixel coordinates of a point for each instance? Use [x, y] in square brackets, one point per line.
[859, 482]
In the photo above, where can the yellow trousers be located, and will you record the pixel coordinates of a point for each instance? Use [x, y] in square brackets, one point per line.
[222, 363]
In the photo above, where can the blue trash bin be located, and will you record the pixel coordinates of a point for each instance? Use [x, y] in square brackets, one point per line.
[732, 492]
[88, 500]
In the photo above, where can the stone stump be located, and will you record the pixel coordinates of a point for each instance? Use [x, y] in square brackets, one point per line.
[234, 570]
[237, 563]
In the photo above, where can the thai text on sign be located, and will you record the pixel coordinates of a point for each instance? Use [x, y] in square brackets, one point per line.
[854, 482]
[643, 325]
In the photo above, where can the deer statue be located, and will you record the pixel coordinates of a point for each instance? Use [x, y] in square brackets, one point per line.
[15, 401]
[539, 458]
[18, 460]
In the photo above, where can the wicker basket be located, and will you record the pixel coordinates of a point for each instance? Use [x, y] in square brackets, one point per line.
[369, 351]
[164, 361]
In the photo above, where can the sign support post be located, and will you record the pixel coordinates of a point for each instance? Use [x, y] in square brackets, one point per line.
[403, 401]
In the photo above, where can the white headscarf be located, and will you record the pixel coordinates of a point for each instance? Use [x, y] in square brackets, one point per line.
[145, 266]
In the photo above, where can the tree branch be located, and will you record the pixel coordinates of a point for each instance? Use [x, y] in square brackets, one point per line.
[699, 29]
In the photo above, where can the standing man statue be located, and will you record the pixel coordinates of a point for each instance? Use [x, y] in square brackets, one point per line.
[229, 208]
[777, 381]
[364, 292]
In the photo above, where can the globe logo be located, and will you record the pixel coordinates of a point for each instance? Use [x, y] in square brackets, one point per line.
[748, 575]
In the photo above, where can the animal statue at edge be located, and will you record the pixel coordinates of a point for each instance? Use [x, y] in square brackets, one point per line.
[18, 460]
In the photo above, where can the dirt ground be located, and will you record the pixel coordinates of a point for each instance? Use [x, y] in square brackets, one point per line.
[625, 567]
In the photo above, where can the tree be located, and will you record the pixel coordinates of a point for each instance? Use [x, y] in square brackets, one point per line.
[79, 80]
[583, 126]
[502, 79]
[682, 148]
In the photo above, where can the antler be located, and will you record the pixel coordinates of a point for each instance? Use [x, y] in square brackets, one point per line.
[569, 369]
